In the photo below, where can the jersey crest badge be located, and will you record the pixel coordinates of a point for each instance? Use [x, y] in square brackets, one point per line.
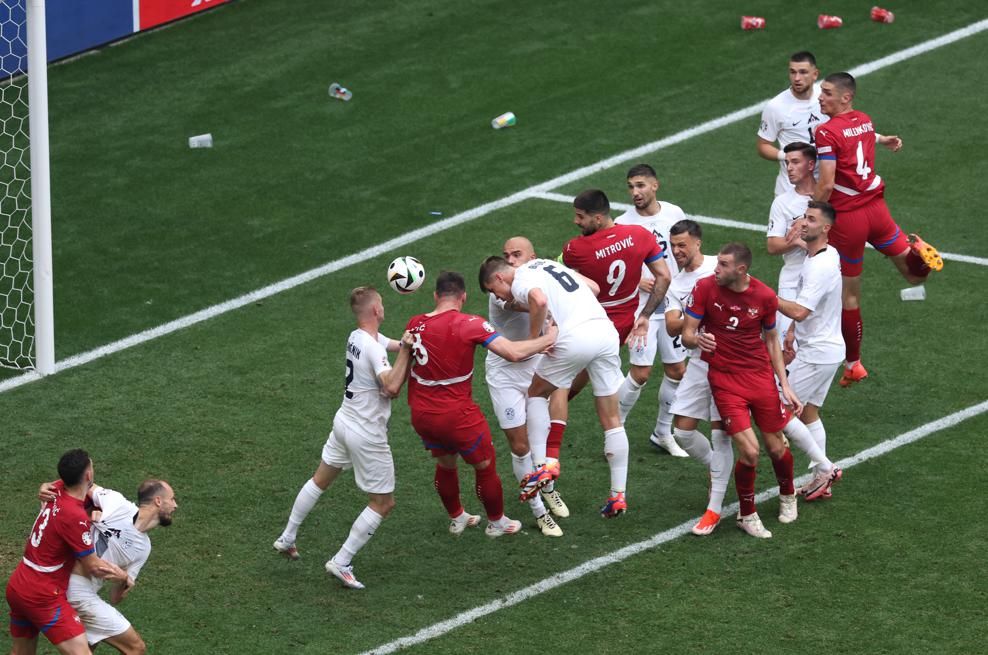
[753, 312]
[489, 327]
[87, 538]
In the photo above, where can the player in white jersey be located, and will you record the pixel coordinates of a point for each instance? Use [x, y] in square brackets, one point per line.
[791, 116]
[508, 384]
[119, 534]
[359, 438]
[694, 402]
[656, 217]
[587, 340]
[817, 312]
[788, 208]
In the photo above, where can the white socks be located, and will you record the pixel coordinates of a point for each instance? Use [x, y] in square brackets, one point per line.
[799, 434]
[695, 444]
[304, 502]
[363, 529]
[616, 452]
[537, 421]
[667, 393]
[628, 394]
[522, 466]
[721, 466]
[819, 434]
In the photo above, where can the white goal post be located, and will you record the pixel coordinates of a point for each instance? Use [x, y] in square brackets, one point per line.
[27, 333]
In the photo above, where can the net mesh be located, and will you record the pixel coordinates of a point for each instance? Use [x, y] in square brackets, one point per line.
[16, 269]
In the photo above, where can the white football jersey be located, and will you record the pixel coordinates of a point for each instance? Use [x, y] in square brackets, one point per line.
[364, 406]
[682, 286]
[786, 208]
[787, 119]
[819, 337]
[114, 536]
[510, 324]
[571, 301]
[659, 225]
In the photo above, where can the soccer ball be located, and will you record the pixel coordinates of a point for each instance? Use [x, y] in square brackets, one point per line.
[406, 274]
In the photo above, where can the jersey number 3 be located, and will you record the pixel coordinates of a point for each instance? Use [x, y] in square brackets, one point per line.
[43, 518]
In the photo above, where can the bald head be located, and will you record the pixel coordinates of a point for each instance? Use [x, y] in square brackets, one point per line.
[518, 250]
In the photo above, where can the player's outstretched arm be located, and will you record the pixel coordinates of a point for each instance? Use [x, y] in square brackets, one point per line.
[393, 379]
[778, 365]
[96, 567]
[891, 142]
[825, 185]
[663, 277]
[793, 310]
[515, 351]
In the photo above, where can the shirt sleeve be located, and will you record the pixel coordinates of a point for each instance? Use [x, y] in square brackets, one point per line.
[571, 255]
[73, 528]
[134, 569]
[778, 221]
[474, 329]
[814, 287]
[769, 309]
[769, 129]
[385, 341]
[378, 357]
[826, 143]
[652, 250]
[696, 301]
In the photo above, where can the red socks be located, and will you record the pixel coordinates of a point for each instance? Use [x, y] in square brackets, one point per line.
[489, 491]
[783, 473]
[555, 441]
[851, 328]
[744, 482]
[448, 486]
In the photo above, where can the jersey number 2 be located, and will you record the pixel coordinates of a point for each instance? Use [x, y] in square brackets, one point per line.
[349, 378]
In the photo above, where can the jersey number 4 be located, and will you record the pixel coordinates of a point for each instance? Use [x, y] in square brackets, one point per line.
[862, 168]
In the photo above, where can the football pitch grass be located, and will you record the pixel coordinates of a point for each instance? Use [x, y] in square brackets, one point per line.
[234, 411]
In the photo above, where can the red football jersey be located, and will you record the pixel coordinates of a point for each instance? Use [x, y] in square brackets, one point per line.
[613, 258]
[737, 321]
[60, 536]
[442, 362]
[849, 139]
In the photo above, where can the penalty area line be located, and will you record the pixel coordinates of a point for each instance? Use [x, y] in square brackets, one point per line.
[740, 225]
[470, 214]
[598, 563]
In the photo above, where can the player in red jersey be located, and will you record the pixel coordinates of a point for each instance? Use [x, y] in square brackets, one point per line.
[848, 181]
[440, 395]
[60, 538]
[612, 256]
[739, 343]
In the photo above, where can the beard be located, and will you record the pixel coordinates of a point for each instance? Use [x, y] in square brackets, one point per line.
[164, 519]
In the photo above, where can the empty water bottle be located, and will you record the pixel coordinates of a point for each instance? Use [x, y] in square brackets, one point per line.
[340, 92]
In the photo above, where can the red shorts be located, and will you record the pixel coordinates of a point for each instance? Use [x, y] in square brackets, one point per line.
[37, 612]
[871, 223]
[623, 320]
[738, 393]
[460, 431]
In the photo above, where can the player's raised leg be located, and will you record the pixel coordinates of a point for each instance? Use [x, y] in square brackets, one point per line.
[306, 499]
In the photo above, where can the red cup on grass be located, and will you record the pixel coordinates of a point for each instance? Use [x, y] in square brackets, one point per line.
[880, 15]
[825, 22]
[752, 23]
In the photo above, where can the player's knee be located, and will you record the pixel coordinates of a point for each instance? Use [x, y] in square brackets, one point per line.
[139, 648]
[640, 374]
[776, 450]
[748, 453]
[383, 506]
[675, 371]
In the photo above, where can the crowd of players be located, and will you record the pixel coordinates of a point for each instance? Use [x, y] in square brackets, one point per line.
[734, 353]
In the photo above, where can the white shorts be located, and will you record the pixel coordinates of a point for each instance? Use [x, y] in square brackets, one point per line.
[811, 382]
[100, 619]
[369, 455]
[592, 346]
[693, 397]
[670, 348]
[508, 385]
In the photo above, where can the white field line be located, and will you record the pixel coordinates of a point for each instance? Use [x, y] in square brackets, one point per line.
[469, 215]
[727, 222]
[622, 554]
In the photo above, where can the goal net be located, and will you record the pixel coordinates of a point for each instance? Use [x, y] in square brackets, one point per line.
[22, 245]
